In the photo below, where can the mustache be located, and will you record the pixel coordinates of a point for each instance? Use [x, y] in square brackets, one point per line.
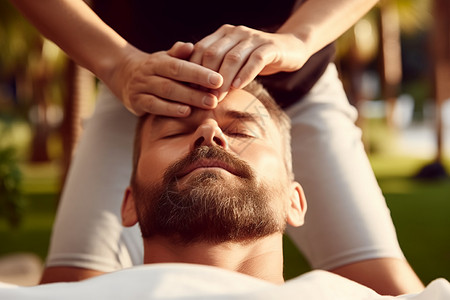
[214, 154]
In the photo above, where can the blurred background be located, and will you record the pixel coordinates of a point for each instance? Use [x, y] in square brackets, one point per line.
[395, 64]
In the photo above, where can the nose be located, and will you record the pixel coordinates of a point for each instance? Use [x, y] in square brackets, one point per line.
[209, 134]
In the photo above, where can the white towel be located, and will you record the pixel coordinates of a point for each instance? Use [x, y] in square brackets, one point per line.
[186, 281]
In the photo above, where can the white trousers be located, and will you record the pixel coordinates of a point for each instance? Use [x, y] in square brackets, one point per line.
[347, 218]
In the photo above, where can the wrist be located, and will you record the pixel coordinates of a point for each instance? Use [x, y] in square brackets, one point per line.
[107, 66]
[301, 38]
[114, 69]
[296, 52]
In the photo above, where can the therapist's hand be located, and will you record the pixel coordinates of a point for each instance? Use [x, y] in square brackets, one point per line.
[240, 53]
[163, 83]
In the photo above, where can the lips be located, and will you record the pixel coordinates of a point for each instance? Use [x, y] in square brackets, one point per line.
[208, 163]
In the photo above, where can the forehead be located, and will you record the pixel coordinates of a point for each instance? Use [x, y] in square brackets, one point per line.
[237, 101]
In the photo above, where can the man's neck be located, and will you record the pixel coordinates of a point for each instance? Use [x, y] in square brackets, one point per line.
[261, 259]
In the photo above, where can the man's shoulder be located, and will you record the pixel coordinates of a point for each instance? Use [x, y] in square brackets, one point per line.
[156, 281]
[187, 281]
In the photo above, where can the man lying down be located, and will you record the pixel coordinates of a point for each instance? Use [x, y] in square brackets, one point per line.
[212, 194]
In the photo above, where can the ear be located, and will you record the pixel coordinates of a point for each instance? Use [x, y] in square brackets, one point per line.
[129, 215]
[297, 206]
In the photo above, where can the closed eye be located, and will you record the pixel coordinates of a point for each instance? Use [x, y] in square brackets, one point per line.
[240, 133]
[173, 135]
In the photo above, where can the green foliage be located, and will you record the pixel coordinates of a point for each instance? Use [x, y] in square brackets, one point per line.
[33, 235]
[414, 15]
[17, 38]
[11, 200]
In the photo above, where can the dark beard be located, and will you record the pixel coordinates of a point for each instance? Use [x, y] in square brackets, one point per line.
[209, 208]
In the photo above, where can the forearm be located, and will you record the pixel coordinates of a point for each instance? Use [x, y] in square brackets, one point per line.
[76, 29]
[387, 276]
[319, 22]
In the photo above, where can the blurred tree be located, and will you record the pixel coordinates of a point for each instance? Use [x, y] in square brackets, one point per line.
[377, 35]
[390, 55]
[441, 65]
[32, 65]
[42, 78]
[80, 92]
[441, 51]
[11, 200]
[40, 81]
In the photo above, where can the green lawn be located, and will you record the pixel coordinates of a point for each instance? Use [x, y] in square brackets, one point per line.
[39, 187]
[421, 214]
[420, 211]
[33, 235]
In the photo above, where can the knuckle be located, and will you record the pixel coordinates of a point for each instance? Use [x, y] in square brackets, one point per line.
[200, 47]
[270, 43]
[243, 30]
[150, 104]
[132, 96]
[174, 67]
[233, 57]
[166, 88]
[151, 60]
[210, 52]
[226, 27]
[258, 56]
[143, 104]
[256, 37]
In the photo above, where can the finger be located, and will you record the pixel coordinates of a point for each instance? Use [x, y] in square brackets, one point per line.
[215, 54]
[220, 94]
[256, 62]
[233, 62]
[164, 88]
[181, 50]
[185, 71]
[204, 43]
[146, 103]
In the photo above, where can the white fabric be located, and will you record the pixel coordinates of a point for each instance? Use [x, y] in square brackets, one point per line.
[183, 281]
[347, 218]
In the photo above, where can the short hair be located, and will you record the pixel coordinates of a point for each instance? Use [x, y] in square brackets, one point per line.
[281, 120]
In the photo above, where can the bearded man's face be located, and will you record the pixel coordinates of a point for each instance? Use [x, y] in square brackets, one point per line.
[208, 207]
[218, 175]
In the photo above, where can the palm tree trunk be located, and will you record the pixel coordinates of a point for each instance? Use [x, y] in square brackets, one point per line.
[80, 87]
[70, 127]
[40, 79]
[441, 54]
[391, 60]
[441, 47]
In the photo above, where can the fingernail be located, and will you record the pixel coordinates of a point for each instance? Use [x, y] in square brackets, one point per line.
[182, 110]
[208, 101]
[214, 79]
[236, 83]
